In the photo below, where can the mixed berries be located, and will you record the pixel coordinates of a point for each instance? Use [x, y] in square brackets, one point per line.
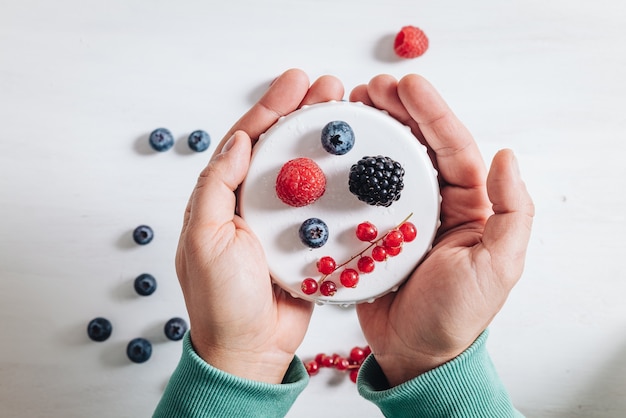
[379, 249]
[347, 364]
[410, 42]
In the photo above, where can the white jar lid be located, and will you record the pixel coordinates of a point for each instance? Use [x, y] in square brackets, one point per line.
[276, 224]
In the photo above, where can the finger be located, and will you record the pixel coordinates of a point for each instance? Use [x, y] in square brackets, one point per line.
[360, 94]
[324, 89]
[283, 97]
[507, 231]
[458, 157]
[212, 202]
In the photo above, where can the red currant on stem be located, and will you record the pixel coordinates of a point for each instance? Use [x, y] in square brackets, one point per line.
[379, 253]
[354, 374]
[309, 286]
[349, 278]
[366, 264]
[393, 251]
[409, 231]
[366, 231]
[357, 354]
[328, 288]
[326, 265]
[312, 367]
[393, 239]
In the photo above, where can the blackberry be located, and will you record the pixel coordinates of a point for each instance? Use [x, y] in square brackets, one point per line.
[376, 181]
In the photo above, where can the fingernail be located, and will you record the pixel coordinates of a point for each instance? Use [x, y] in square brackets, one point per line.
[229, 144]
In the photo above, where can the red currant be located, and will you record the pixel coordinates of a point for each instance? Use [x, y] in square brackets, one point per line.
[328, 288]
[357, 354]
[312, 367]
[393, 251]
[309, 286]
[342, 363]
[366, 231]
[326, 265]
[328, 361]
[393, 239]
[409, 231]
[354, 374]
[366, 264]
[367, 350]
[349, 278]
[320, 358]
[379, 253]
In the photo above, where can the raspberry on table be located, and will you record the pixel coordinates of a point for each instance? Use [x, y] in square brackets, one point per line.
[410, 42]
[300, 182]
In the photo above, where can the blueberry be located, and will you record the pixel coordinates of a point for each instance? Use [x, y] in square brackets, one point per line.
[145, 284]
[199, 141]
[143, 234]
[139, 350]
[161, 139]
[313, 232]
[175, 329]
[337, 137]
[99, 329]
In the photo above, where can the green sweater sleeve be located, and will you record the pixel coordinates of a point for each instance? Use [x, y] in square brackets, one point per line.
[197, 389]
[467, 386]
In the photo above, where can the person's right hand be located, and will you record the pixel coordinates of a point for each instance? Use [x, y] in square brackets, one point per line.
[479, 250]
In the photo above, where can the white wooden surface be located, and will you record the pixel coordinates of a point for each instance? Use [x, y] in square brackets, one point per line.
[82, 83]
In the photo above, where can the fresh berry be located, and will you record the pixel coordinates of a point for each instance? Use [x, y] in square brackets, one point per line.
[393, 251]
[357, 354]
[161, 139]
[410, 42]
[328, 288]
[312, 367]
[143, 234]
[309, 286]
[326, 265]
[354, 374]
[199, 141]
[337, 137]
[139, 350]
[175, 329]
[366, 264]
[409, 231]
[342, 363]
[393, 239]
[145, 284]
[376, 181]
[313, 232]
[366, 231]
[349, 278]
[379, 253]
[99, 329]
[300, 182]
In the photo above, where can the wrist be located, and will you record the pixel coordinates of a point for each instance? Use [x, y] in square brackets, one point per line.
[261, 365]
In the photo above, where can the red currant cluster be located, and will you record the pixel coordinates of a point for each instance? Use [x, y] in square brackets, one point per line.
[389, 245]
[350, 364]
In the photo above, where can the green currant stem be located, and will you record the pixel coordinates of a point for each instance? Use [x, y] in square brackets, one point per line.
[359, 254]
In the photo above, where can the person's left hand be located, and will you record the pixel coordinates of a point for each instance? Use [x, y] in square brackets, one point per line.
[240, 322]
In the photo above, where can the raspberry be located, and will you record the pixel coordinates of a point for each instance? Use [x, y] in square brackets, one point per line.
[300, 182]
[410, 42]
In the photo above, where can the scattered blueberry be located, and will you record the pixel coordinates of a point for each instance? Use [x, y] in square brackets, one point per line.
[313, 232]
[199, 141]
[161, 139]
[337, 137]
[143, 234]
[145, 284]
[175, 329]
[99, 329]
[139, 350]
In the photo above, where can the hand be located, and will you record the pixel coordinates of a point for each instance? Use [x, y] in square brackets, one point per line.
[479, 250]
[240, 322]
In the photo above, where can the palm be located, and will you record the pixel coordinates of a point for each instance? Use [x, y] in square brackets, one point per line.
[479, 249]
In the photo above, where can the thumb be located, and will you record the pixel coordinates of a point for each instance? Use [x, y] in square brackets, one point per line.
[213, 201]
[507, 231]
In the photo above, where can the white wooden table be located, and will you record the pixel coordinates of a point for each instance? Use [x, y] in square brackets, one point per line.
[82, 83]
